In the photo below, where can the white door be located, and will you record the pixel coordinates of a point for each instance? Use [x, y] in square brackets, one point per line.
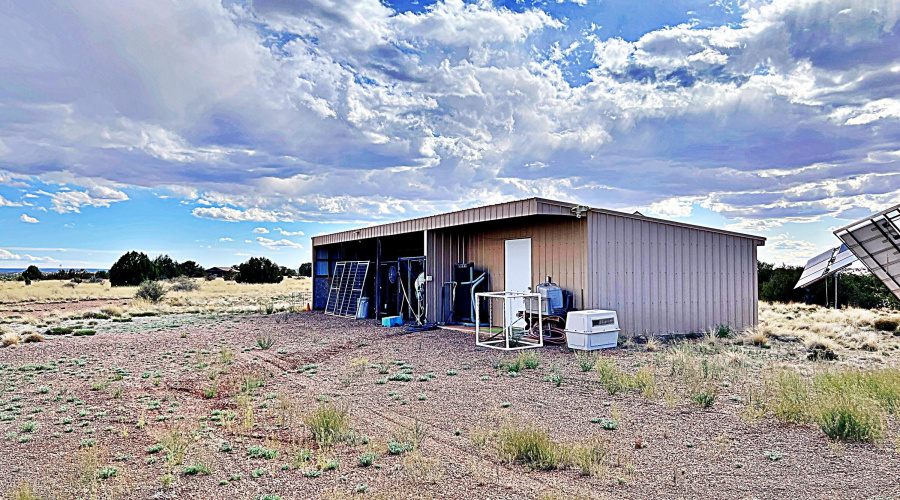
[517, 274]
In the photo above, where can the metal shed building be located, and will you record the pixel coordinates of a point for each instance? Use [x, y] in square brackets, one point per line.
[660, 276]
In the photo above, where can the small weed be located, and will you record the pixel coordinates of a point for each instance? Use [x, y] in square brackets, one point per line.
[259, 451]
[366, 459]
[108, 472]
[265, 341]
[586, 360]
[197, 469]
[530, 360]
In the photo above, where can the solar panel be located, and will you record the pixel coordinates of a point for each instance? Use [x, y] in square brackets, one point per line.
[347, 286]
[876, 242]
[824, 265]
[333, 290]
[843, 258]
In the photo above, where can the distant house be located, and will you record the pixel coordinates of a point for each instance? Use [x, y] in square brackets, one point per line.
[221, 272]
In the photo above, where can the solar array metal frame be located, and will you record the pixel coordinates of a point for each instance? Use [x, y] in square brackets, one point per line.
[824, 265]
[346, 288]
[876, 242]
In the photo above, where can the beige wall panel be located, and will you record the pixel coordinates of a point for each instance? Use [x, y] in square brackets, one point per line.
[664, 278]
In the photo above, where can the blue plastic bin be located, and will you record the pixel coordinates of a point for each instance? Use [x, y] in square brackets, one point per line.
[392, 321]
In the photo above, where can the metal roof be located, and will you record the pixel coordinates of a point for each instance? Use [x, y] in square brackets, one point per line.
[511, 209]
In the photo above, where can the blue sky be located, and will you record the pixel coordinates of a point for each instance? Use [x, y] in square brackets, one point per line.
[214, 130]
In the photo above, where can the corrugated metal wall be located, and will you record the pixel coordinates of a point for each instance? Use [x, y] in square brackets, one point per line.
[443, 249]
[558, 249]
[664, 278]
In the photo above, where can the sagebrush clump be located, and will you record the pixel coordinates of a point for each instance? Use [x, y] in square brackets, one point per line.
[886, 324]
[152, 291]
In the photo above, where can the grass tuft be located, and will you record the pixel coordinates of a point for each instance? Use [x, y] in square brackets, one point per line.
[529, 445]
[328, 424]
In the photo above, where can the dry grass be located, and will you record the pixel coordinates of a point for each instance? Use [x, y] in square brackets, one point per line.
[13, 292]
[32, 337]
[23, 491]
[9, 339]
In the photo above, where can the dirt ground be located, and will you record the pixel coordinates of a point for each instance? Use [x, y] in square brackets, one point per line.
[132, 382]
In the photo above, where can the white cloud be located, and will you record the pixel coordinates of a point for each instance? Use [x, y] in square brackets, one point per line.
[14, 180]
[6, 203]
[95, 196]
[261, 230]
[678, 207]
[289, 233]
[784, 248]
[276, 244]
[458, 104]
[236, 215]
[28, 219]
[225, 239]
[9, 256]
[753, 225]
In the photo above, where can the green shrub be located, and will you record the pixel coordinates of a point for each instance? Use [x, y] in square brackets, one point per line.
[328, 424]
[259, 451]
[366, 459]
[704, 398]
[152, 291]
[886, 324]
[400, 377]
[530, 359]
[588, 455]
[184, 284]
[792, 399]
[845, 420]
[609, 424]
[847, 404]
[608, 374]
[586, 360]
[108, 472]
[528, 445]
[265, 341]
[722, 331]
[398, 448]
[195, 469]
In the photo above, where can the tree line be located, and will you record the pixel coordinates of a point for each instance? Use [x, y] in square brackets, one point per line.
[134, 268]
[855, 288]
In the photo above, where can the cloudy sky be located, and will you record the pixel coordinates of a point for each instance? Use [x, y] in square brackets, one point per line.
[213, 130]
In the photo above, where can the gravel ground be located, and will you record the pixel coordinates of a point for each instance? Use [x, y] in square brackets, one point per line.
[156, 369]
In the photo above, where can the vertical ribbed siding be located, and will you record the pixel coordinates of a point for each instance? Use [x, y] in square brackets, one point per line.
[558, 249]
[443, 249]
[663, 278]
